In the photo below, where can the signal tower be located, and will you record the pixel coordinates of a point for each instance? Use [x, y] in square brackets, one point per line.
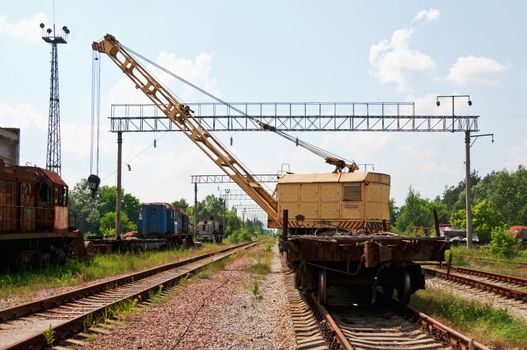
[53, 152]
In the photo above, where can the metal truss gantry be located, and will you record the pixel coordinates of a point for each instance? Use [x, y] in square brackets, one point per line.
[225, 179]
[294, 116]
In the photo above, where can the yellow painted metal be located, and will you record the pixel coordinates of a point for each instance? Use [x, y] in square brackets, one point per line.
[182, 117]
[336, 199]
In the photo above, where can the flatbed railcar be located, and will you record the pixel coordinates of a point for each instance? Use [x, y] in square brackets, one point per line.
[160, 226]
[336, 234]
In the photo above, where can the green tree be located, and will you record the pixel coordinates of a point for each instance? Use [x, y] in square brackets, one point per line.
[209, 207]
[233, 222]
[181, 203]
[416, 211]
[394, 211]
[129, 204]
[502, 243]
[454, 196]
[84, 210]
[507, 191]
[485, 218]
[107, 226]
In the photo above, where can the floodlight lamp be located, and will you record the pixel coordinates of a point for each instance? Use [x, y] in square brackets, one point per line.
[49, 30]
[469, 102]
[42, 25]
[438, 103]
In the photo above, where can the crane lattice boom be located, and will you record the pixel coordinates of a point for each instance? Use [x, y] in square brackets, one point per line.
[182, 117]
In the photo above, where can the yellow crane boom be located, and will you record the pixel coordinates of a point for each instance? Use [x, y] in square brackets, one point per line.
[181, 115]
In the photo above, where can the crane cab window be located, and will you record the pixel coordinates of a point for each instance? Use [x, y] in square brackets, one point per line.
[352, 192]
[44, 192]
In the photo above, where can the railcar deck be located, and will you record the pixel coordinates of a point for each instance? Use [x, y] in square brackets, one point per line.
[373, 249]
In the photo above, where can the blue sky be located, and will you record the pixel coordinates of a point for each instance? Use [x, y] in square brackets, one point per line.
[276, 51]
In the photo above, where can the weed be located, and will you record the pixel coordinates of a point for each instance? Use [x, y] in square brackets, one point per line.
[259, 267]
[183, 281]
[91, 338]
[26, 284]
[49, 335]
[480, 321]
[203, 275]
[255, 289]
[157, 296]
[88, 321]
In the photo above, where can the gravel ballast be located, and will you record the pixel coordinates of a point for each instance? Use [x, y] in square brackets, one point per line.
[218, 312]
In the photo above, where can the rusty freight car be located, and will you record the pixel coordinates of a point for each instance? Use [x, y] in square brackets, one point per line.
[34, 225]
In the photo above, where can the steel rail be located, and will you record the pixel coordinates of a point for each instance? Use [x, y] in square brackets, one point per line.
[76, 323]
[493, 261]
[489, 287]
[441, 331]
[490, 275]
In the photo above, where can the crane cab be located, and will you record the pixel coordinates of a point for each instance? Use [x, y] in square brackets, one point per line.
[354, 202]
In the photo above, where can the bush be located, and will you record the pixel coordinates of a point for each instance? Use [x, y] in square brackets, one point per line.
[502, 243]
[240, 235]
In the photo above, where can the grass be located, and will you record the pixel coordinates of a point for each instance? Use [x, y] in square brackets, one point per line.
[503, 266]
[484, 323]
[49, 335]
[261, 259]
[26, 284]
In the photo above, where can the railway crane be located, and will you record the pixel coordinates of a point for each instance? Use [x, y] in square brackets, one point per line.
[338, 236]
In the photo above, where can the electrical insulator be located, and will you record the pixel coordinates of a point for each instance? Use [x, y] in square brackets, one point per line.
[155, 143]
[232, 141]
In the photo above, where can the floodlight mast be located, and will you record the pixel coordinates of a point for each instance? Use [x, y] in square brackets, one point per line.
[53, 151]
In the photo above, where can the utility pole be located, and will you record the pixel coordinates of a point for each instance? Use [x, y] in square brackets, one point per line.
[468, 189]
[195, 209]
[119, 190]
[468, 179]
[53, 151]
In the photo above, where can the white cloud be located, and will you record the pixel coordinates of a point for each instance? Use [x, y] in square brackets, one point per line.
[26, 29]
[394, 61]
[196, 71]
[427, 15]
[478, 70]
[21, 116]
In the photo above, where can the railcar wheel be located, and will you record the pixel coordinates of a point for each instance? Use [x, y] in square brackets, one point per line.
[322, 286]
[404, 290]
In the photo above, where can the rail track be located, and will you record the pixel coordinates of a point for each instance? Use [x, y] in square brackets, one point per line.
[385, 325]
[503, 285]
[492, 261]
[23, 326]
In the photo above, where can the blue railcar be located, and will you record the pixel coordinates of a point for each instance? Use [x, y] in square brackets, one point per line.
[163, 220]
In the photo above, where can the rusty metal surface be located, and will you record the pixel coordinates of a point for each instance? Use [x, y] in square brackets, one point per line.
[375, 248]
